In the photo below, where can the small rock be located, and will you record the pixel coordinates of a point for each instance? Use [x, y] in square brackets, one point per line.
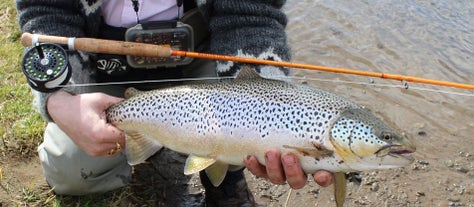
[464, 154]
[418, 193]
[422, 162]
[455, 200]
[462, 169]
[419, 125]
[374, 187]
[422, 133]
[449, 163]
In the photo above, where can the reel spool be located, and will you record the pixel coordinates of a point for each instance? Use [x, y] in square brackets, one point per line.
[46, 67]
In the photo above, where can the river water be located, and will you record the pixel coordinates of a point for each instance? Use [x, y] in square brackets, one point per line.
[430, 39]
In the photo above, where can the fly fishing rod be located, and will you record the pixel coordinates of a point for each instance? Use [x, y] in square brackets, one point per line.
[149, 50]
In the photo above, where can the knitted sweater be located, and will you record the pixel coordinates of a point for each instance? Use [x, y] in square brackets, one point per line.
[251, 28]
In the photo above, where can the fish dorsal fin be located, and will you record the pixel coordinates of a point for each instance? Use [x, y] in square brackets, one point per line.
[140, 147]
[130, 92]
[339, 188]
[247, 73]
[216, 173]
[195, 164]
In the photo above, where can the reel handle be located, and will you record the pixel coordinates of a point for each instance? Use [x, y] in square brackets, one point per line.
[99, 45]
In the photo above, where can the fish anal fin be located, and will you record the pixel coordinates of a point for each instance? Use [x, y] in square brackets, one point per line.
[247, 73]
[319, 151]
[195, 164]
[339, 188]
[140, 147]
[216, 173]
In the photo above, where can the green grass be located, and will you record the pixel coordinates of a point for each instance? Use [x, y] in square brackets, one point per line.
[21, 127]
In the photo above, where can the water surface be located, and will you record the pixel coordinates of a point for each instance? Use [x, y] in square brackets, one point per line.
[429, 39]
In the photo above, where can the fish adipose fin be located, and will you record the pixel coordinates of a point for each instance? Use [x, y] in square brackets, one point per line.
[317, 152]
[247, 73]
[139, 147]
[339, 188]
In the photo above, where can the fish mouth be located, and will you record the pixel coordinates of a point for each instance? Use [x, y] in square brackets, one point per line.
[398, 151]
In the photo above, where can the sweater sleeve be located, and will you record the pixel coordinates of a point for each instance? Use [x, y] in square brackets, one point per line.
[61, 18]
[248, 28]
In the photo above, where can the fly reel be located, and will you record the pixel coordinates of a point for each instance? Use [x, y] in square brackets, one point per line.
[46, 67]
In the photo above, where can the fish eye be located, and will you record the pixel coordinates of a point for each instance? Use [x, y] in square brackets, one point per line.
[387, 136]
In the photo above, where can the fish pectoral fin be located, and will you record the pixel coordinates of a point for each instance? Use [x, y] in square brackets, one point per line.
[318, 151]
[339, 188]
[195, 164]
[140, 147]
[216, 173]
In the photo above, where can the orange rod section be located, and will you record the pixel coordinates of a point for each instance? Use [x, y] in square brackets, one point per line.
[142, 49]
[321, 68]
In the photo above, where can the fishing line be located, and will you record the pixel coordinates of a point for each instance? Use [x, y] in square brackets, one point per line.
[145, 81]
[304, 78]
[404, 85]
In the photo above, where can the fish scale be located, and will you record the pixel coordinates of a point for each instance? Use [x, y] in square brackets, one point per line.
[206, 109]
[218, 124]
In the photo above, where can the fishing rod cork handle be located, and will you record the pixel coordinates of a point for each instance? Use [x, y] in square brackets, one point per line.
[94, 45]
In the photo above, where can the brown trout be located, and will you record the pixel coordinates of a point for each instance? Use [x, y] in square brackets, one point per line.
[217, 124]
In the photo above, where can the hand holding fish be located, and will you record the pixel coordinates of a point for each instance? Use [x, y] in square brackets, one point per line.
[82, 117]
[285, 168]
[220, 124]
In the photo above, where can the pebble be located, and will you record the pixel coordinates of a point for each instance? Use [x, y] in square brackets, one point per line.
[422, 162]
[422, 133]
[462, 169]
[455, 200]
[420, 125]
[449, 163]
[374, 187]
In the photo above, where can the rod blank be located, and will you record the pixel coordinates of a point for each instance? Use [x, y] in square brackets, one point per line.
[142, 49]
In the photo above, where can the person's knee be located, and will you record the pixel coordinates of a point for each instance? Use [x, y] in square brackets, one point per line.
[64, 183]
[68, 186]
[70, 171]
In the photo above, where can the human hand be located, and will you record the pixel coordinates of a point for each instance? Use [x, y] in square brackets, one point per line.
[82, 117]
[279, 169]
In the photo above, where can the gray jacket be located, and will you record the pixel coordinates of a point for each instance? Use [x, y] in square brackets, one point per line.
[237, 27]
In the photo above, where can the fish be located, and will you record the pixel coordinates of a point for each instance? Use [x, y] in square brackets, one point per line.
[218, 124]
